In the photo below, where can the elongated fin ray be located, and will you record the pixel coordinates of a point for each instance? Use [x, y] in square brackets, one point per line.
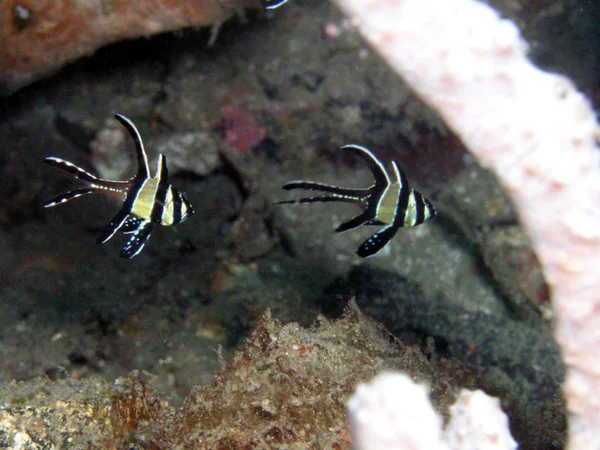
[71, 168]
[322, 187]
[324, 199]
[137, 240]
[142, 160]
[376, 242]
[68, 196]
[337, 194]
[375, 166]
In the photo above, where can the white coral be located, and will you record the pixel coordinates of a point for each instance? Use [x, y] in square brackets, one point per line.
[478, 423]
[393, 412]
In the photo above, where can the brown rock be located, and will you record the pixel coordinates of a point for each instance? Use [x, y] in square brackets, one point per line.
[37, 37]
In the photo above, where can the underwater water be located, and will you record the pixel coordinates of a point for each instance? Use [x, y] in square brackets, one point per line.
[174, 348]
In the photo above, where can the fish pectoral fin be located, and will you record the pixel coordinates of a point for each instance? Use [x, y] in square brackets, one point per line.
[138, 239]
[354, 222]
[68, 196]
[376, 242]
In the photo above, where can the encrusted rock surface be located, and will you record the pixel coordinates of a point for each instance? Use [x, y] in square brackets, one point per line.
[286, 389]
[75, 414]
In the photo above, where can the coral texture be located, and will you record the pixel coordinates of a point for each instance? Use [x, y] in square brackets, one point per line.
[38, 37]
[377, 423]
[536, 132]
[476, 420]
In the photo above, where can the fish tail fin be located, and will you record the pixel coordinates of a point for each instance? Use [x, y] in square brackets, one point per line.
[71, 168]
[323, 199]
[336, 193]
[68, 196]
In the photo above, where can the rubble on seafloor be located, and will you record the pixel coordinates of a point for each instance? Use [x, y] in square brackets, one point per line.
[286, 388]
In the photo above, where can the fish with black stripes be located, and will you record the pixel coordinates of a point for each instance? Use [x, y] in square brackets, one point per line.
[393, 204]
[147, 200]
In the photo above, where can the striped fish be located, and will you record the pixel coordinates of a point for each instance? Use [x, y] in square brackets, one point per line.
[146, 201]
[392, 204]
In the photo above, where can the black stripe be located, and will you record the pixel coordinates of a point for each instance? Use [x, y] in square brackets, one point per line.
[121, 216]
[159, 201]
[176, 206]
[419, 208]
[402, 202]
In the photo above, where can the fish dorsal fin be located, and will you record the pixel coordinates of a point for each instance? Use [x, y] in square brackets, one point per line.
[400, 176]
[142, 160]
[379, 173]
[162, 173]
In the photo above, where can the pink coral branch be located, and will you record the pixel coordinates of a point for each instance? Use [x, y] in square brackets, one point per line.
[536, 132]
